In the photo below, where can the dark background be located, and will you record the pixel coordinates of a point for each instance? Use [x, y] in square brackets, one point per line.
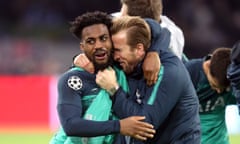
[34, 36]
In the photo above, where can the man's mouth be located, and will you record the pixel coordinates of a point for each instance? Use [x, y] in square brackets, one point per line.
[121, 64]
[100, 55]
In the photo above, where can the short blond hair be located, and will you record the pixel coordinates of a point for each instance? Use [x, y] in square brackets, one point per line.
[137, 30]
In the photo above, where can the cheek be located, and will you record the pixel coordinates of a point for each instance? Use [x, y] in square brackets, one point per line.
[108, 44]
[89, 53]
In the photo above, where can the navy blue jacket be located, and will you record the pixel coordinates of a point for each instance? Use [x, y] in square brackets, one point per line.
[233, 73]
[73, 88]
[173, 110]
[70, 101]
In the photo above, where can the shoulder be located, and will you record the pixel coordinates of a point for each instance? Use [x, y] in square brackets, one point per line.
[174, 68]
[74, 79]
[195, 63]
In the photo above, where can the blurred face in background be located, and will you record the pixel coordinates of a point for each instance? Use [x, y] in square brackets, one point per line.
[97, 45]
[215, 85]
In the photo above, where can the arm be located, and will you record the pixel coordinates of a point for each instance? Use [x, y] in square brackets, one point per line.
[82, 61]
[70, 112]
[160, 37]
[151, 64]
[233, 72]
[194, 68]
[150, 67]
[155, 112]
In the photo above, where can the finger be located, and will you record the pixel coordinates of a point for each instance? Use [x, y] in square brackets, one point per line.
[150, 78]
[139, 137]
[140, 121]
[90, 67]
[145, 125]
[156, 77]
[147, 75]
[83, 58]
[150, 82]
[153, 79]
[76, 59]
[146, 130]
[139, 118]
[145, 134]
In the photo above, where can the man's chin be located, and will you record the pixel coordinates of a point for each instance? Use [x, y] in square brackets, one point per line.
[125, 70]
[101, 66]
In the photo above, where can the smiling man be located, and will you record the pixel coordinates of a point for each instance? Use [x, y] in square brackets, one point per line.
[171, 104]
[84, 109]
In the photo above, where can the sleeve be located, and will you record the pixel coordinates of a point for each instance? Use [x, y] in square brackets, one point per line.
[156, 112]
[73, 65]
[233, 75]
[177, 37]
[193, 70]
[233, 72]
[70, 112]
[160, 37]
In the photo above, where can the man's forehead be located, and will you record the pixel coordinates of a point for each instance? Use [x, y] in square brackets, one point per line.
[95, 31]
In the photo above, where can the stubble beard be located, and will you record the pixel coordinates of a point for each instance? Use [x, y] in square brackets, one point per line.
[103, 66]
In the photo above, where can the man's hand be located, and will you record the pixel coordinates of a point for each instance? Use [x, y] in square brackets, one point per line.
[151, 67]
[107, 79]
[134, 126]
[82, 61]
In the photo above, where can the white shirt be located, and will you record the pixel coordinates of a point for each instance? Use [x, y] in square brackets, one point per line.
[177, 37]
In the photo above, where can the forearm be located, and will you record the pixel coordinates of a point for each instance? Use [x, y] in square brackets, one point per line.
[160, 37]
[234, 71]
[124, 107]
[74, 125]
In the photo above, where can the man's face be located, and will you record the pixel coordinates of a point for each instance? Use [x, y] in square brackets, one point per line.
[214, 83]
[127, 57]
[96, 44]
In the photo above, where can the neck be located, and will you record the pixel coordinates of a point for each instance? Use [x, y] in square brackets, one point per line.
[206, 66]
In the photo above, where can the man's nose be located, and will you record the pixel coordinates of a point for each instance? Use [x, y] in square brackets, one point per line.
[98, 44]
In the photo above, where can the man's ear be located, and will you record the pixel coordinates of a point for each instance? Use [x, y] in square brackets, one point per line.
[81, 47]
[208, 63]
[140, 49]
[206, 66]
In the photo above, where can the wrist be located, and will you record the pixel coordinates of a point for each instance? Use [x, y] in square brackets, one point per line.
[113, 90]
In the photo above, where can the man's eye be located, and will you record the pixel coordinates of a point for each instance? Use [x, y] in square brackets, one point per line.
[90, 41]
[103, 38]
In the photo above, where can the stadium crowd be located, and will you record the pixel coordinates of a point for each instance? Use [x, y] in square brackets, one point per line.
[35, 32]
